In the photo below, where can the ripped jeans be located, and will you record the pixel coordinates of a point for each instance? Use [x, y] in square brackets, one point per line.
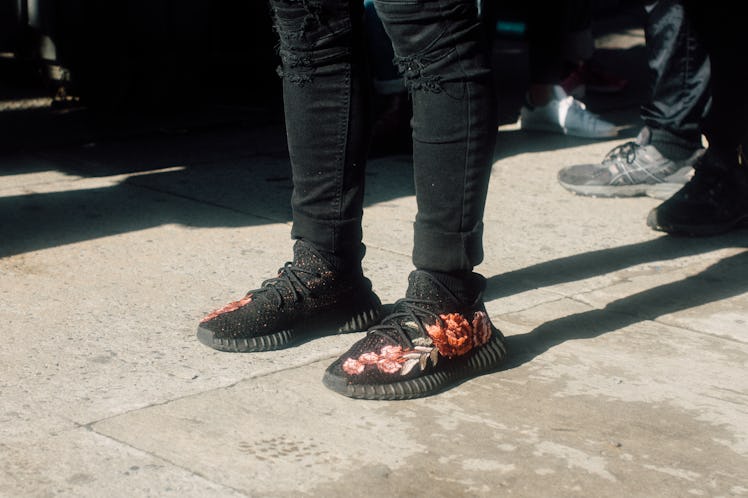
[441, 50]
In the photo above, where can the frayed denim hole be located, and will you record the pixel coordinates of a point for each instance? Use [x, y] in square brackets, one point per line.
[415, 70]
[294, 68]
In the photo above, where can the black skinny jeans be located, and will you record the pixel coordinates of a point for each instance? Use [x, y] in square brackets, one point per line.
[679, 66]
[720, 28]
[441, 50]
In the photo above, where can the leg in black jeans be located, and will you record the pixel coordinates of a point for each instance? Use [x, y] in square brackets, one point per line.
[680, 80]
[441, 49]
[323, 290]
[722, 32]
[715, 200]
[325, 101]
[439, 334]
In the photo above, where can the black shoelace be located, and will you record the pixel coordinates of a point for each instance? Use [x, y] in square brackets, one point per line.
[406, 311]
[288, 277]
[625, 152]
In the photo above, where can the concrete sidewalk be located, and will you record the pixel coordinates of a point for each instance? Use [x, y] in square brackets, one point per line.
[627, 373]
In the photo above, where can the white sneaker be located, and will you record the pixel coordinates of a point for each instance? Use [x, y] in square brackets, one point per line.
[564, 114]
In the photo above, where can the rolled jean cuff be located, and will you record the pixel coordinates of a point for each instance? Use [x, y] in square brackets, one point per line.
[447, 251]
[340, 237]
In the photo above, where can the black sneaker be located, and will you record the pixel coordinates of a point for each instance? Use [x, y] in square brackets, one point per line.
[633, 169]
[713, 202]
[431, 341]
[308, 298]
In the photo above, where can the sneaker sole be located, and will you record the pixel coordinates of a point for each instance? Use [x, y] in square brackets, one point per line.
[566, 131]
[695, 231]
[289, 337]
[485, 360]
[660, 191]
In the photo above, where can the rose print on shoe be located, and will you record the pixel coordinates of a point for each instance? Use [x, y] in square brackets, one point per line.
[453, 336]
[232, 306]
[430, 341]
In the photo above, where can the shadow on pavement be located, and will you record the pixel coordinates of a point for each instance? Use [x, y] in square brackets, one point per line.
[603, 261]
[724, 279]
[204, 181]
[178, 167]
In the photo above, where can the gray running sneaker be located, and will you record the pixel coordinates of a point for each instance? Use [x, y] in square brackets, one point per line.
[633, 169]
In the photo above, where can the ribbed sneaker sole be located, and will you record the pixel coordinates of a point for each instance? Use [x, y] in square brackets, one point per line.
[485, 360]
[286, 338]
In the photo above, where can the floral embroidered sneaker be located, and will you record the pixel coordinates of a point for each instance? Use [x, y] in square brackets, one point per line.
[429, 342]
[309, 298]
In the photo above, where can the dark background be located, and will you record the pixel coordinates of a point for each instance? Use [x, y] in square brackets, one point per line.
[158, 64]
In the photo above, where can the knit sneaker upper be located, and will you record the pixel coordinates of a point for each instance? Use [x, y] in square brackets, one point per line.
[308, 295]
[429, 340]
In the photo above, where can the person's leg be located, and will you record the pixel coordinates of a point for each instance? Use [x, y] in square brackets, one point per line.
[440, 332]
[578, 44]
[680, 92]
[721, 32]
[390, 132]
[716, 198]
[386, 78]
[547, 106]
[323, 290]
[326, 109]
[660, 160]
[582, 72]
[547, 26]
[445, 64]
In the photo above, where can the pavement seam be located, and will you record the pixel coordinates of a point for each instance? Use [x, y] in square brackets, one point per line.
[260, 375]
[166, 460]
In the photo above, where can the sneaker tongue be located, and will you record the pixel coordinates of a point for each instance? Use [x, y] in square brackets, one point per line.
[429, 294]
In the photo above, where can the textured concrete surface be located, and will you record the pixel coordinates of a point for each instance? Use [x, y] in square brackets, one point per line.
[628, 348]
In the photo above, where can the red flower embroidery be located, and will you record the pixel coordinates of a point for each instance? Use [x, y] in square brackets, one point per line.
[392, 352]
[369, 358]
[385, 365]
[389, 360]
[352, 366]
[455, 336]
[232, 306]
